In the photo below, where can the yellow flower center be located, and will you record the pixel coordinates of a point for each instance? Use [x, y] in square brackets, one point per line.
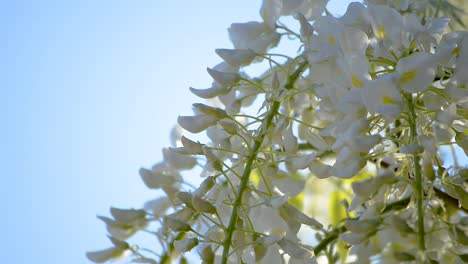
[380, 32]
[387, 100]
[407, 76]
[455, 51]
[356, 82]
[331, 40]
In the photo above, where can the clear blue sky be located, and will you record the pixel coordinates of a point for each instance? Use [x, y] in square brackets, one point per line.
[89, 92]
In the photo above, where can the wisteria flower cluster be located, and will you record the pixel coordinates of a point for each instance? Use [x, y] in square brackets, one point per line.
[332, 155]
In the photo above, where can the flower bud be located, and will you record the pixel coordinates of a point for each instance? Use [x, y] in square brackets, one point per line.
[212, 92]
[178, 161]
[185, 244]
[207, 255]
[202, 205]
[229, 126]
[364, 226]
[224, 78]
[189, 147]
[269, 240]
[211, 111]
[460, 235]
[353, 238]
[236, 57]
[205, 186]
[307, 30]
[196, 124]
[294, 250]
[176, 225]
[299, 216]
[186, 198]
[119, 249]
[400, 224]
[155, 179]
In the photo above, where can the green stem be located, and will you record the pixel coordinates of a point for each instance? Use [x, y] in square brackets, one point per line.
[263, 131]
[418, 176]
[329, 239]
[167, 257]
[244, 182]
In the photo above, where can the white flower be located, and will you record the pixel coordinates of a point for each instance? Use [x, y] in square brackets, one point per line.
[388, 33]
[447, 115]
[189, 147]
[311, 9]
[207, 254]
[271, 10]
[294, 250]
[183, 215]
[294, 163]
[266, 219]
[158, 206]
[224, 78]
[205, 186]
[186, 244]
[128, 216]
[196, 124]
[176, 224]
[287, 184]
[357, 16]
[449, 47]
[215, 90]
[355, 70]
[462, 63]
[253, 35]
[118, 250]
[307, 30]
[237, 57]
[363, 226]
[125, 222]
[353, 238]
[345, 138]
[269, 240]
[347, 164]
[176, 134]
[415, 72]
[365, 187]
[178, 161]
[203, 205]
[159, 176]
[458, 92]
[229, 126]
[386, 23]
[302, 218]
[425, 34]
[381, 96]
[325, 44]
[320, 170]
[289, 140]
[209, 110]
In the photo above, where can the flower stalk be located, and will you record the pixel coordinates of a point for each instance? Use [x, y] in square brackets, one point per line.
[418, 175]
[263, 131]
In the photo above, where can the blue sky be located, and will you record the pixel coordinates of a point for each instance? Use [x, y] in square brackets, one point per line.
[90, 91]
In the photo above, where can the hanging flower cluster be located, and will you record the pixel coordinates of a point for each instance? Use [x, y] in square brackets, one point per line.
[366, 105]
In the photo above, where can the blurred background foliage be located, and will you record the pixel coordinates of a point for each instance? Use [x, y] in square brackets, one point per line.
[455, 10]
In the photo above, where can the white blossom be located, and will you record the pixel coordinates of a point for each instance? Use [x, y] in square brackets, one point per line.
[237, 57]
[186, 244]
[415, 72]
[373, 98]
[253, 35]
